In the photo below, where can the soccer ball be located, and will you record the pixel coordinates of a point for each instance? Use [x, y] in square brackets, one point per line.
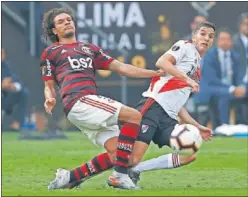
[186, 139]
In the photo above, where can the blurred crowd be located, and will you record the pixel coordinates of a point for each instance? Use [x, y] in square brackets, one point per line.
[224, 78]
[14, 95]
[223, 96]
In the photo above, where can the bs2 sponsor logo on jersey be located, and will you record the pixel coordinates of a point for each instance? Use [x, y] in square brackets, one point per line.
[81, 63]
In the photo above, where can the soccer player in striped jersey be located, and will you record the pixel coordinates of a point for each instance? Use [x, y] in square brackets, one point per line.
[71, 65]
[163, 103]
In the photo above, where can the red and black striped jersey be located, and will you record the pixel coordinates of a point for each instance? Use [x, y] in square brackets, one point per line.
[72, 67]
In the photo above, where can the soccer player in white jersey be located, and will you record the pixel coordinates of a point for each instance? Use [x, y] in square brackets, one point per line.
[162, 103]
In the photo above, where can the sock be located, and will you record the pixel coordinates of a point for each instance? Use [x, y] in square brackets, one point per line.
[125, 144]
[163, 162]
[93, 167]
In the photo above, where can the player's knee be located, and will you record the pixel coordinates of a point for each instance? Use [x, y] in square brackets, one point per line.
[135, 116]
[110, 145]
[128, 114]
[191, 158]
[184, 160]
[112, 157]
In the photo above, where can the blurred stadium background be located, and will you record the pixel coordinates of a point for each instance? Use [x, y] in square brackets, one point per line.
[134, 32]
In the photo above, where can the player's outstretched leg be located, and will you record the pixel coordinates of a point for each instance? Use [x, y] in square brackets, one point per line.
[172, 160]
[125, 143]
[70, 179]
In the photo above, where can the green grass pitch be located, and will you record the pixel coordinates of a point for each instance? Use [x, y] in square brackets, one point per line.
[221, 169]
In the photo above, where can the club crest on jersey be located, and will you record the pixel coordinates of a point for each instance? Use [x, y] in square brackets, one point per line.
[144, 128]
[86, 50]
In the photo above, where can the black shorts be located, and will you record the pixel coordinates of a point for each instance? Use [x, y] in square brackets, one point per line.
[156, 124]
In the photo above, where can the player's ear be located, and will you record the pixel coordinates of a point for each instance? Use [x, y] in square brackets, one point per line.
[54, 31]
[193, 38]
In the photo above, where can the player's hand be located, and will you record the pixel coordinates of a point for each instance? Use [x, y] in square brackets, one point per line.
[195, 86]
[205, 132]
[160, 73]
[49, 105]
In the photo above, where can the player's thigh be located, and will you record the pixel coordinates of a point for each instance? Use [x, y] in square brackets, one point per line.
[129, 114]
[166, 126]
[146, 133]
[150, 120]
[94, 112]
[149, 126]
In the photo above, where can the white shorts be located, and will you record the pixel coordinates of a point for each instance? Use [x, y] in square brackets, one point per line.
[97, 117]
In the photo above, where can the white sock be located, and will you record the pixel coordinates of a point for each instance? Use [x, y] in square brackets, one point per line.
[163, 162]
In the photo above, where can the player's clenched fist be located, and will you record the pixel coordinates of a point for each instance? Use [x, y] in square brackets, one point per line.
[49, 104]
[160, 73]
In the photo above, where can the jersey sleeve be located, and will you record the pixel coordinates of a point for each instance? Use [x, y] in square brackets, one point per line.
[102, 60]
[178, 50]
[47, 68]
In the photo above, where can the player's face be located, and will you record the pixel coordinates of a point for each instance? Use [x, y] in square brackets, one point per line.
[203, 39]
[64, 26]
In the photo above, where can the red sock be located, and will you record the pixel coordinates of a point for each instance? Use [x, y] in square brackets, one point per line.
[125, 144]
[95, 166]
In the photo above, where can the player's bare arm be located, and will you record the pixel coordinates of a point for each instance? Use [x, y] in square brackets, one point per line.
[50, 96]
[49, 90]
[186, 118]
[166, 62]
[206, 133]
[132, 71]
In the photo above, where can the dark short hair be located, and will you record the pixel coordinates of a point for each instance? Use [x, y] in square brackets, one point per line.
[48, 22]
[242, 17]
[224, 30]
[204, 24]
